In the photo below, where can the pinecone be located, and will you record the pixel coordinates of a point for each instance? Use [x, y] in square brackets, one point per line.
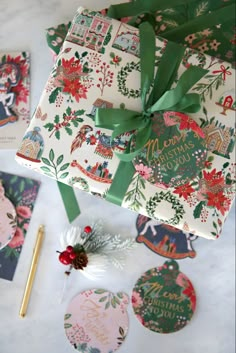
[80, 261]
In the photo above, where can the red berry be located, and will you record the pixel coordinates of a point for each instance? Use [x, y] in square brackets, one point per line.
[69, 248]
[87, 229]
[72, 255]
[64, 258]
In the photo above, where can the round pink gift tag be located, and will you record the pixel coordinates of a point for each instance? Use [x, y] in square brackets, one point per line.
[96, 321]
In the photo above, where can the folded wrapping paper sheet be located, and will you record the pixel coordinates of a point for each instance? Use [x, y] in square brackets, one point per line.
[99, 67]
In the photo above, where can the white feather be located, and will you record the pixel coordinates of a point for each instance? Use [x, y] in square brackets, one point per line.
[72, 236]
[97, 265]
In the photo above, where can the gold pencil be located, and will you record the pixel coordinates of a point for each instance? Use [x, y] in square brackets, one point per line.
[32, 271]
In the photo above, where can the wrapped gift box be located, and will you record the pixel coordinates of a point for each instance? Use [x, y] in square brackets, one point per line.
[99, 67]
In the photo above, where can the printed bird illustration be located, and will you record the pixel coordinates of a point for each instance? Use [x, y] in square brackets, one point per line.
[80, 138]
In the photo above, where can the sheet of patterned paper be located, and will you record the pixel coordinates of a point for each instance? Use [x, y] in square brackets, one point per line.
[99, 67]
[22, 192]
[14, 97]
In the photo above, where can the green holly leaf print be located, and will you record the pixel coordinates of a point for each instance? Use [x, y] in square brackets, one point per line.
[198, 210]
[54, 94]
[66, 325]
[57, 134]
[49, 126]
[68, 111]
[79, 112]
[68, 130]
[56, 119]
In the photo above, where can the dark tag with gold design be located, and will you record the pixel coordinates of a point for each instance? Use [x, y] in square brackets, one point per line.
[164, 239]
[164, 299]
[176, 151]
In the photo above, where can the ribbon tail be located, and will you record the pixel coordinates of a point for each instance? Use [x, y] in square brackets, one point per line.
[139, 7]
[69, 200]
[121, 182]
[172, 97]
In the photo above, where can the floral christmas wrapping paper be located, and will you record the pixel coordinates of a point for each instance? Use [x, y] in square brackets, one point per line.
[22, 192]
[14, 97]
[218, 41]
[99, 67]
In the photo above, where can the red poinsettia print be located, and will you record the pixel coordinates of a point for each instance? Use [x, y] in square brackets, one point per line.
[75, 88]
[71, 66]
[20, 90]
[219, 201]
[213, 178]
[71, 76]
[184, 191]
[21, 93]
[22, 63]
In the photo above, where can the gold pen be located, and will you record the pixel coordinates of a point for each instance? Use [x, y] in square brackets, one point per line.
[31, 275]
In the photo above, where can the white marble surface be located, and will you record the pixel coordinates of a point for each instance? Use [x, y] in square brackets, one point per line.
[212, 329]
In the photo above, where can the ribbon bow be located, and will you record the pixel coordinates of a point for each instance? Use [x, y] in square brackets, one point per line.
[156, 96]
[224, 70]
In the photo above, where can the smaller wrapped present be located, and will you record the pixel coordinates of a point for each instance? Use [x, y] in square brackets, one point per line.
[163, 148]
[176, 22]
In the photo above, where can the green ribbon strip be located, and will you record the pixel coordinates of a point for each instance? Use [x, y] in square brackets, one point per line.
[149, 8]
[156, 96]
[69, 200]
[199, 23]
[139, 7]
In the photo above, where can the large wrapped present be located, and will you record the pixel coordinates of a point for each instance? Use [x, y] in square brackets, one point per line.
[179, 22]
[146, 147]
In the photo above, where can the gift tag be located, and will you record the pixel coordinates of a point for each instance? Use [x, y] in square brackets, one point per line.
[175, 153]
[164, 239]
[97, 321]
[164, 299]
[8, 222]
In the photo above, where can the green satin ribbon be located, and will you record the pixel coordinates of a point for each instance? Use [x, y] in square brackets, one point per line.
[156, 96]
[149, 8]
[139, 7]
[69, 200]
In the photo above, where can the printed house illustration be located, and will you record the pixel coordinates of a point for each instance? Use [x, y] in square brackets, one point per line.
[127, 40]
[90, 30]
[99, 103]
[220, 139]
[227, 101]
[32, 146]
